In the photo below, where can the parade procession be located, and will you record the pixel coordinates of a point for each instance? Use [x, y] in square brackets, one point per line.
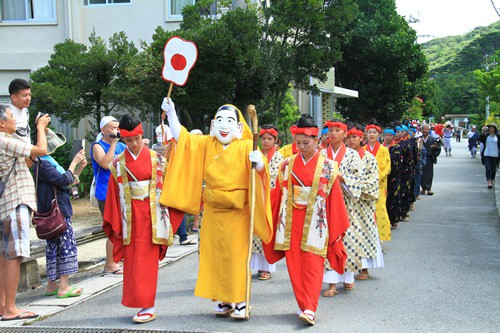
[304, 159]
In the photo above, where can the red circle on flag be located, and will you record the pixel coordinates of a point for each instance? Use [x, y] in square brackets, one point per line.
[178, 62]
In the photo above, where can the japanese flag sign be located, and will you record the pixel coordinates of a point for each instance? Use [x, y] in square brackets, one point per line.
[180, 56]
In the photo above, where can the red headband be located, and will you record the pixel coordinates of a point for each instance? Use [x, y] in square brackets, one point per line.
[271, 131]
[293, 129]
[375, 127]
[136, 131]
[336, 124]
[355, 131]
[310, 131]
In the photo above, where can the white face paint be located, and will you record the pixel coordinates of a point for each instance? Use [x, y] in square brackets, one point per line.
[225, 127]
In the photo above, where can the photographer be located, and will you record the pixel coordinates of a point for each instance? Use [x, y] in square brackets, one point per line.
[433, 149]
[102, 153]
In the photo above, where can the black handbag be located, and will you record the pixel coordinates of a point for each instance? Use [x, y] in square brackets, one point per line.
[3, 183]
[52, 223]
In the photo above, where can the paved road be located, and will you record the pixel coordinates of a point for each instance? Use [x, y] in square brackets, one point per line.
[442, 275]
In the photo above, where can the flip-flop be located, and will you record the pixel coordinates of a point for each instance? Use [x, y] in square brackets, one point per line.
[52, 293]
[118, 272]
[23, 315]
[71, 293]
[349, 286]
[363, 276]
[329, 293]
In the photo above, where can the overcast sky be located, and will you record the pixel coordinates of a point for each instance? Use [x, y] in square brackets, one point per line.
[441, 18]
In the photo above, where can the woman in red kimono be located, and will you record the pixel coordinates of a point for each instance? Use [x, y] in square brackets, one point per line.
[310, 218]
[140, 231]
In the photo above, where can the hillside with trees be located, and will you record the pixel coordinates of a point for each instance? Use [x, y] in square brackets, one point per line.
[455, 63]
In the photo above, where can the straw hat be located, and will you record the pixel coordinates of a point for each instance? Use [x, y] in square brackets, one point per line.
[54, 141]
[493, 124]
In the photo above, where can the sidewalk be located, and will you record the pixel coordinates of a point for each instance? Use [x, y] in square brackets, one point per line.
[91, 249]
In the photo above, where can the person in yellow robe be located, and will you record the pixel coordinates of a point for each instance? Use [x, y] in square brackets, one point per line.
[381, 153]
[223, 160]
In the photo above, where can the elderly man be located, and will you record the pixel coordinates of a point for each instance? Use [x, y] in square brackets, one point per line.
[432, 149]
[16, 205]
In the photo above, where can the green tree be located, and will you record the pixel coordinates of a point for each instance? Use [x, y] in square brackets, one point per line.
[82, 81]
[382, 61]
[248, 55]
[489, 83]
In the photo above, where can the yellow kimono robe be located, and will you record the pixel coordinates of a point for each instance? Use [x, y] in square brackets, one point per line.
[224, 237]
[384, 168]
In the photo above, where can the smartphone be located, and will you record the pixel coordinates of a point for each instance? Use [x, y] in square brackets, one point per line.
[83, 144]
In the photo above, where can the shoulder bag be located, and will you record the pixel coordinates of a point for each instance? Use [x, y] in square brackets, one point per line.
[52, 223]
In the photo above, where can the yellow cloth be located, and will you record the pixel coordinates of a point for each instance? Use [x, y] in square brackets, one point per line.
[224, 236]
[384, 168]
[286, 151]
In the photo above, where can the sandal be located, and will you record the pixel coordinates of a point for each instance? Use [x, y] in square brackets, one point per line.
[51, 293]
[363, 276]
[349, 286]
[264, 276]
[329, 293]
[307, 317]
[223, 310]
[72, 292]
[144, 317]
[240, 312]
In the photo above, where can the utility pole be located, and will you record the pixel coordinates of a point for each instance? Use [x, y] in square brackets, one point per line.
[487, 66]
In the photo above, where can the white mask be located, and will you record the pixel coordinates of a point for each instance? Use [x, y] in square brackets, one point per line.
[225, 127]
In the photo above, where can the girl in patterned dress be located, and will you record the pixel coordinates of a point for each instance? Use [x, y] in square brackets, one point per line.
[268, 136]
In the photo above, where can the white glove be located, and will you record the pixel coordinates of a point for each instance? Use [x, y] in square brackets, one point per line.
[168, 106]
[256, 157]
[175, 126]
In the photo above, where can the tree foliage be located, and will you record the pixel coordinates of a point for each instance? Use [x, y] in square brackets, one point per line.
[454, 63]
[82, 81]
[249, 55]
[381, 61]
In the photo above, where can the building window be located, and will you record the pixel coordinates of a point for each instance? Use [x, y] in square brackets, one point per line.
[174, 8]
[104, 2]
[28, 10]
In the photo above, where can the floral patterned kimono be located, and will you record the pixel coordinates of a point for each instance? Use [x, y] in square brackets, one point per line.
[352, 170]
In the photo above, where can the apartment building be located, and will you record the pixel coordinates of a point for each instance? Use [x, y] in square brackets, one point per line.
[29, 29]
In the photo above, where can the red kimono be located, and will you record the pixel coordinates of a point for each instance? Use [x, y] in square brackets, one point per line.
[141, 256]
[306, 268]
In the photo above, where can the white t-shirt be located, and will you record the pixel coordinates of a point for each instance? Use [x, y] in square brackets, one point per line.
[22, 123]
[491, 148]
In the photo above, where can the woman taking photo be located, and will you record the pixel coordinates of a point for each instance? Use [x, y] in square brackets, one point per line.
[61, 252]
[491, 142]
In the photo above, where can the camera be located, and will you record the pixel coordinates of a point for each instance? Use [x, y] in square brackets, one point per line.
[113, 136]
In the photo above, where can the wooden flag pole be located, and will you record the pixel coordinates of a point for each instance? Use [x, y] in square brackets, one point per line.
[255, 130]
[163, 143]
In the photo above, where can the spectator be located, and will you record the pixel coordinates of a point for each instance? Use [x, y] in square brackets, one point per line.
[61, 252]
[16, 206]
[490, 154]
[20, 99]
[102, 153]
[473, 137]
